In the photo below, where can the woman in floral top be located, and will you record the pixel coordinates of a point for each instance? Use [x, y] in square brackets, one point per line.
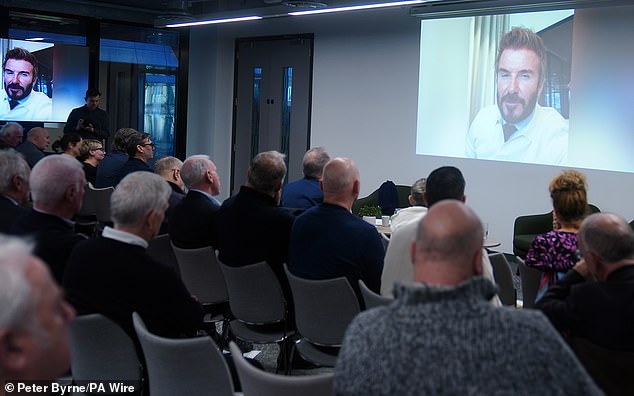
[555, 252]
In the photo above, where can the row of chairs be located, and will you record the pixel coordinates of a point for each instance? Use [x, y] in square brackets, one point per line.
[529, 281]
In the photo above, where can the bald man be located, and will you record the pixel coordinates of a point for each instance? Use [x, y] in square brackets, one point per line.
[441, 336]
[328, 241]
[602, 311]
[37, 139]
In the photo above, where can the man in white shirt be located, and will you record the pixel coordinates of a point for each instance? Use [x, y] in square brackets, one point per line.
[517, 128]
[18, 101]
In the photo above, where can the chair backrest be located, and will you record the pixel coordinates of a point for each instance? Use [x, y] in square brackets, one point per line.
[160, 250]
[256, 382]
[323, 308]
[255, 293]
[183, 366]
[89, 204]
[201, 274]
[372, 299]
[102, 202]
[611, 370]
[525, 228]
[504, 279]
[101, 350]
[529, 279]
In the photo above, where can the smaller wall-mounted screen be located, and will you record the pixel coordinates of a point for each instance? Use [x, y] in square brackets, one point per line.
[41, 81]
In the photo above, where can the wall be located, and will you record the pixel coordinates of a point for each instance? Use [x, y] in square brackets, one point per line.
[364, 107]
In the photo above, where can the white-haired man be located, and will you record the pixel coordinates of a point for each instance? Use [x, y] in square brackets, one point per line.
[306, 192]
[11, 135]
[34, 318]
[113, 275]
[57, 187]
[194, 222]
[14, 187]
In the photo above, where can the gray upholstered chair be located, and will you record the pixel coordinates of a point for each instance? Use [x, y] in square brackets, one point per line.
[529, 280]
[372, 299]
[101, 350]
[160, 250]
[183, 366]
[504, 279]
[256, 382]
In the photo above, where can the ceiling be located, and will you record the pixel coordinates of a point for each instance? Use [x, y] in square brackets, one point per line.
[160, 12]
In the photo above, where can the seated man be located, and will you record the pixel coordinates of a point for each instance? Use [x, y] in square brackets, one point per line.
[252, 226]
[57, 188]
[14, 187]
[140, 150]
[37, 139]
[34, 318]
[113, 161]
[305, 193]
[194, 221]
[328, 241]
[114, 276]
[445, 182]
[169, 168]
[601, 311]
[441, 336]
[11, 135]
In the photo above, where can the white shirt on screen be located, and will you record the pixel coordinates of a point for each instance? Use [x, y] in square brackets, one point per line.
[541, 139]
[35, 107]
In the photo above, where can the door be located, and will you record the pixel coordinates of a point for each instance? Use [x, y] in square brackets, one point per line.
[272, 92]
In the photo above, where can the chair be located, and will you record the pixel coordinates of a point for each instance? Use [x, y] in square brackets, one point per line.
[612, 371]
[257, 303]
[183, 366]
[102, 351]
[372, 299]
[323, 311]
[160, 250]
[256, 382]
[529, 280]
[102, 203]
[201, 274]
[402, 193]
[504, 279]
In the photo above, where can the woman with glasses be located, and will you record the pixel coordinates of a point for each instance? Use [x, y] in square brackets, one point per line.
[91, 154]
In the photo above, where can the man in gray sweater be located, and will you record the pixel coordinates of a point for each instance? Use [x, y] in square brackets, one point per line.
[441, 337]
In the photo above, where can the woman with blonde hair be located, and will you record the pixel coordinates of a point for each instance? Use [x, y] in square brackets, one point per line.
[91, 154]
[555, 252]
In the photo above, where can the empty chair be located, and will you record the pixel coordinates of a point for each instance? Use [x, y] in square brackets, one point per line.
[504, 279]
[160, 250]
[370, 298]
[183, 366]
[529, 279]
[258, 305]
[256, 382]
[102, 202]
[101, 350]
[323, 311]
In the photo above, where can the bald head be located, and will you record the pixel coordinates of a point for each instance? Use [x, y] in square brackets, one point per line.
[39, 137]
[448, 246]
[341, 182]
[606, 242]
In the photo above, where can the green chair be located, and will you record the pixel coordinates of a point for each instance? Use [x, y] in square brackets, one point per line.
[373, 199]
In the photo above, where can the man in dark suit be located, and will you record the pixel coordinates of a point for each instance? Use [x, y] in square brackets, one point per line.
[169, 168]
[113, 275]
[14, 187]
[140, 150]
[37, 139]
[194, 221]
[57, 188]
[113, 161]
[600, 311]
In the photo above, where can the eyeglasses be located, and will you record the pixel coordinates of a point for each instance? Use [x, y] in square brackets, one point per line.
[151, 145]
[99, 149]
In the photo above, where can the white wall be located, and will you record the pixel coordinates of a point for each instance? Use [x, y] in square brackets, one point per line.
[364, 106]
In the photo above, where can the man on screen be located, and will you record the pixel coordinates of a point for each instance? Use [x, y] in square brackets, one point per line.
[518, 128]
[18, 100]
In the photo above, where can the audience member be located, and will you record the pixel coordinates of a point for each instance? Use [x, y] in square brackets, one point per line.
[114, 159]
[14, 187]
[555, 252]
[57, 189]
[445, 182]
[252, 226]
[194, 222]
[34, 318]
[169, 168]
[11, 135]
[91, 153]
[37, 139]
[328, 241]
[306, 192]
[441, 336]
[113, 275]
[140, 150]
[601, 311]
[69, 144]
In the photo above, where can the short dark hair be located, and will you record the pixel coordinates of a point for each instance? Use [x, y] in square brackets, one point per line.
[90, 92]
[445, 182]
[21, 54]
[134, 140]
[63, 142]
[523, 38]
[121, 138]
